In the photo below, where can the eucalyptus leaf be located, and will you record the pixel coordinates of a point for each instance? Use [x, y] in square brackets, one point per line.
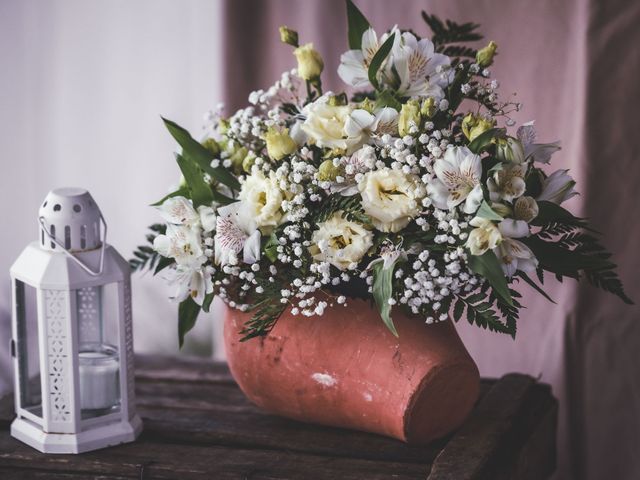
[357, 25]
[383, 291]
[201, 193]
[488, 266]
[485, 211]
[187, 315]
[378, 59]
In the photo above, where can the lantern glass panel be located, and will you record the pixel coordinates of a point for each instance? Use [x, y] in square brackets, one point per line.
[28, 348]
[98, 355]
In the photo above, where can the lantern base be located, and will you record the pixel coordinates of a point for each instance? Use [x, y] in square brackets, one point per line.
[91, 439]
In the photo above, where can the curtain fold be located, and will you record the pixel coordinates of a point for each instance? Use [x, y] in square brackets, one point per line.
[575, 69]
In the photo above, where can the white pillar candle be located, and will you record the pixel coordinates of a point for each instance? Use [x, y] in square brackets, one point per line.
[99, 379]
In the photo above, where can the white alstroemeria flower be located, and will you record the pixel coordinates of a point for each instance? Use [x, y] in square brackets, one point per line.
[558, 187]
[457, 180]
[178, 211]
[539, 152]
[182, 243]
[483, 237]
[262, 198]
[508, 182]
[362, 124]
[390, 198]
[512, 228]
[340, 242]
[386, 121]
[188, 281]
[515, 256]
[354, 64]
[355, 166]
[207, 218]
[422, 72]
[236, 231]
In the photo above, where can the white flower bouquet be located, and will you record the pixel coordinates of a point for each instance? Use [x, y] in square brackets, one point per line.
[415, 193]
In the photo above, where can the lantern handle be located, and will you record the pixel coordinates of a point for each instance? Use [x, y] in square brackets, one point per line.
[85, 267]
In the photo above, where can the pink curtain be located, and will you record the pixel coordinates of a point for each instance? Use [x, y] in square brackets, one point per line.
[575, 67]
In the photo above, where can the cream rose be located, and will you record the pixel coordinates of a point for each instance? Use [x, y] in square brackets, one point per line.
[390, 198]
[340, 242]
[485, 236]
[262, 198]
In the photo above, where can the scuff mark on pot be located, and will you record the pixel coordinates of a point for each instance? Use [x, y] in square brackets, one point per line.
[324, 379]
[367, 396]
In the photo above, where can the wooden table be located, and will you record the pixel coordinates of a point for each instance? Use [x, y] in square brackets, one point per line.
[198, 425]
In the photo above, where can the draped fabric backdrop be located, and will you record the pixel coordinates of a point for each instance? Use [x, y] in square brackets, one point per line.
[575, 67]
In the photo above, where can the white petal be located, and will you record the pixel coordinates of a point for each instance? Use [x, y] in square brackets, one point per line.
[352, 70]
[527, 133]
[251, 252]
[513, 228]
[207, 218]
[473, 201]
[178, 210]
[358, 121]
[541, 152]
[471, 167]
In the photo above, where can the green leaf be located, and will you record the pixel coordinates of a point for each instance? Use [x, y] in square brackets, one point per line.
[534, 285]
[163, 263]
[201, 193]
[488, 266]
[458, 308]
[485, 139]
[378, 59]
[382, 292]
[181, 192]
[200, 155]
[563, 261]
[549, 212]
[187, 315]
[206, 304]
[357, 25]
[388, 99]
[271, 248]
[485, 211]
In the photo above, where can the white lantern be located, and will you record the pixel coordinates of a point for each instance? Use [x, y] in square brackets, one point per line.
[72, 338]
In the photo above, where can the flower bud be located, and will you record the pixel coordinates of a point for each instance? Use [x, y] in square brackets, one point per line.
[475, 125]
[526, 208]
[509, 150]
[428, 108]
[212, 146]
[409, 116]
[288, 36]
[338, 100]
[279, 143]
[237, 158]
[310, 62]
[367, 105]
[248, 162]
[485, 55]
[327, 171]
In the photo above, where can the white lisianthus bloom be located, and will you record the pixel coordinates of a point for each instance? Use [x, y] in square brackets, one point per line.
[390, 198]
[236, 232]
[325, 124]
[484, 237]
[354, 64]
[457, 180]
[515, 256]
[558, 187]
[262, 198]
[182, 243]
[340, 242]
[192, 282]
[178, 211]
[422, 72]
[508, 182]
[539, 152]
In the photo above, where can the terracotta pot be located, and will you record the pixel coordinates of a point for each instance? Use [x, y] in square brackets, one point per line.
[346, 369]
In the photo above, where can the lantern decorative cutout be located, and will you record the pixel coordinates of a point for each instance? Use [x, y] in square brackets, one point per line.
[72, 337]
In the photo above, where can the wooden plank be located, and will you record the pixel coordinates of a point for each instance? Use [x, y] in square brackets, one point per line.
[492, 437]
[181, 369]
[169, 461]
[28, 474]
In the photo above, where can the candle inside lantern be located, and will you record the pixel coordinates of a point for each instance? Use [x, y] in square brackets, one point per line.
[99, 376]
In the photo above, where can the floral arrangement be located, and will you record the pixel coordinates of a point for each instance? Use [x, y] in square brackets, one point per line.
[415, 192]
